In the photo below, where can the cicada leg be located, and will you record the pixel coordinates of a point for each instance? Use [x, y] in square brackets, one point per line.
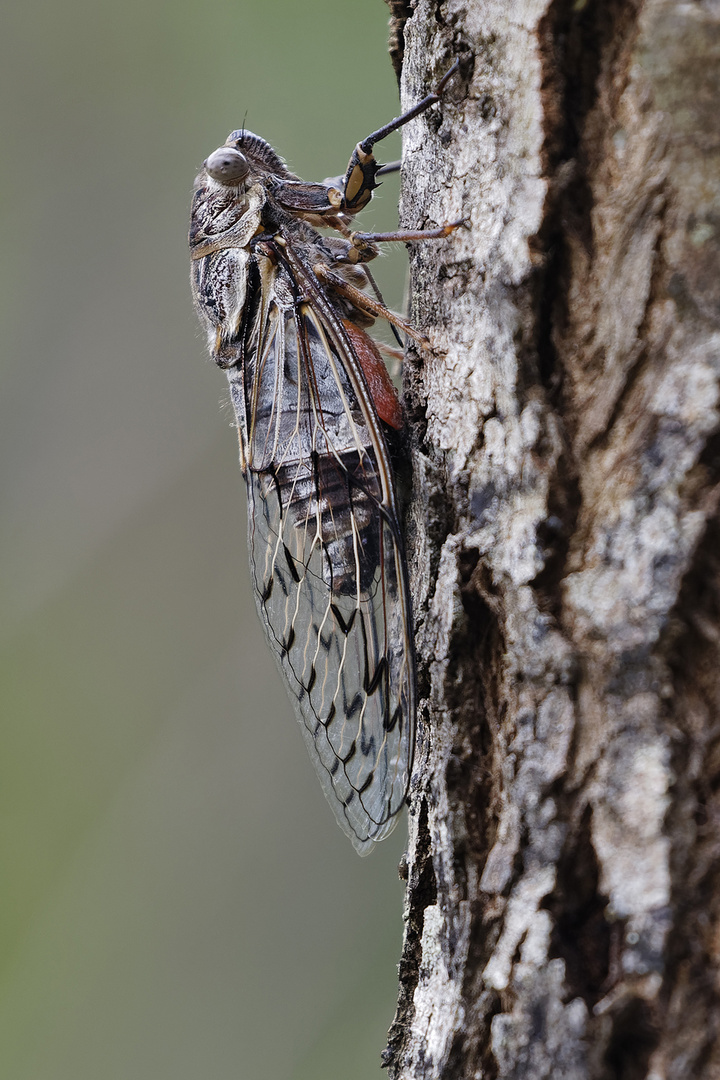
[364, 243]
[359, 180]
[361, 248]
[366, 303]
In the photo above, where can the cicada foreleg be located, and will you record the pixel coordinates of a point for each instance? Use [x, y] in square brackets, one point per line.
[335, 201]
[362, 170]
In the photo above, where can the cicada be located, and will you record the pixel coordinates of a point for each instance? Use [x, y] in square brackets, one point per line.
[286, 309]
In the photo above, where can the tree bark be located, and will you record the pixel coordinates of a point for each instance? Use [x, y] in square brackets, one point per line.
[563, 901]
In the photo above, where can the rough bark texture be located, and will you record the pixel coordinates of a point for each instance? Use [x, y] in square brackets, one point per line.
[563, 904]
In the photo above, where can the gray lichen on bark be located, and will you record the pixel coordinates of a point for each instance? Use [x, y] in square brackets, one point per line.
[563, 903]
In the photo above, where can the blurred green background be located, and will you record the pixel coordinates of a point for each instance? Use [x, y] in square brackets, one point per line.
[176, 899]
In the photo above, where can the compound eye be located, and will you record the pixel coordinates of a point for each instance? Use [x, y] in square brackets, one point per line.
[227, 165]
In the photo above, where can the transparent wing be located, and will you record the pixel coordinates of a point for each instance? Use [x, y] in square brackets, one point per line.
[326, 559]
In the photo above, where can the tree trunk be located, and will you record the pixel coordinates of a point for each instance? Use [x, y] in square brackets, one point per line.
[563, 902]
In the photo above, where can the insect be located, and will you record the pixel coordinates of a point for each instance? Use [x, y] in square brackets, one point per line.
[285, 308]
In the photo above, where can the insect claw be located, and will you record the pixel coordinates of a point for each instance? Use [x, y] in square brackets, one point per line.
[447, 77]
[391, 167]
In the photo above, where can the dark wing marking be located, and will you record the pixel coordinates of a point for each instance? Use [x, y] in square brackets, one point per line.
[325, 552]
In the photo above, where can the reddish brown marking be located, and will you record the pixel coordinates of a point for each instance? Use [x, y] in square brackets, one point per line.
[376, 375]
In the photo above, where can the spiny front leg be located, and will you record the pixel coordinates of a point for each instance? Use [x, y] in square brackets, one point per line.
[359, 181]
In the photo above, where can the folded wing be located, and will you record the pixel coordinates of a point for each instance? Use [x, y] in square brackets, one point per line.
[326, 555]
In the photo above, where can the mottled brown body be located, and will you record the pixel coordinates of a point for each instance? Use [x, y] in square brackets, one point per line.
[285, 308]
